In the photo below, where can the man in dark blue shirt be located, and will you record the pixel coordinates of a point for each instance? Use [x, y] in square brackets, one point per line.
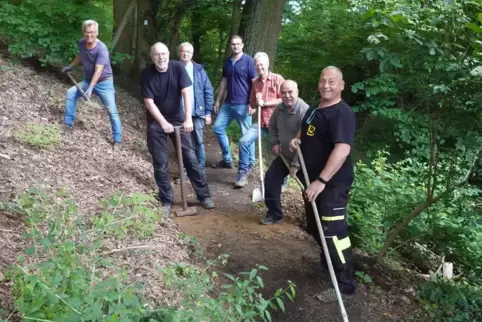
[238, 75]
[163, 83]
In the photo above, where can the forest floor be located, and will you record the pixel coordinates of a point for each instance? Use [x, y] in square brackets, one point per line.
[86, 165]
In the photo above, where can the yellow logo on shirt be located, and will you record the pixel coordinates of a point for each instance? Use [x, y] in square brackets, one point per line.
[311, 130]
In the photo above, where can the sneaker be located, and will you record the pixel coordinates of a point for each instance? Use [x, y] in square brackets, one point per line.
[329, 296]
[117, 146]
[222, 164]
[269, 220]
[241, 180]
[166, 209]
[208, 203]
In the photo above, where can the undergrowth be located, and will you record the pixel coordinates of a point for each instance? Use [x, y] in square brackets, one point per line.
[44, 136]
[66, 275]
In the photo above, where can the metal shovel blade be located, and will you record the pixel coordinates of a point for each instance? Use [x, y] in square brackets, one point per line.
[257, 195]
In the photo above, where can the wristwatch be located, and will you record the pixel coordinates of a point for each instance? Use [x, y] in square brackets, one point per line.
[320, 179]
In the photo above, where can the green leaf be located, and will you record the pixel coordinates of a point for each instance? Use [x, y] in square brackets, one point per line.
[260, 281]
[281, 304]
[268, 315]
[472, 26]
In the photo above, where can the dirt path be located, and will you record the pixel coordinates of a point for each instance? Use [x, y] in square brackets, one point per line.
[285, 249]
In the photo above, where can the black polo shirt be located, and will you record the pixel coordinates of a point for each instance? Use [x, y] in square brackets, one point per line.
[321, 129]
[165, 89]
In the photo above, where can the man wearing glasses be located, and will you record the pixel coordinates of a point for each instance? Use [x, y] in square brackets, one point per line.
[94, 58]
[238, 75]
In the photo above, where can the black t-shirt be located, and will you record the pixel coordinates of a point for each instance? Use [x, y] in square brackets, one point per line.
[321, 129]
[165, 89]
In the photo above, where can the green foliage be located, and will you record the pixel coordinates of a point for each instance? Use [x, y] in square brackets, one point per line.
[59, 278]
[39, 135]
[50, 29]
[122, 216]
[66, 275]
[449, 301]
[239, 300]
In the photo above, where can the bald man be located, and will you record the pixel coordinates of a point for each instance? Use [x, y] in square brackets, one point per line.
[284, 123]
[326, 135]
[163, 84]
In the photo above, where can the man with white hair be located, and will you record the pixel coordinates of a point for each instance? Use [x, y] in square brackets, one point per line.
[163, 84]
[202, 100]
[264, 96]
[98, 78]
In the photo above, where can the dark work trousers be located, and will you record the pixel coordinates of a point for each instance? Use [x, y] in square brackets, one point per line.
[273, 180]
[157, 145]
[331, 204]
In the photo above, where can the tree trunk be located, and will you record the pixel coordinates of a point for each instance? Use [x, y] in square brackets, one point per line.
[245, 17]
[263, 27]
[196, 32]
[235, 22]
[124, 43]
[173, 43]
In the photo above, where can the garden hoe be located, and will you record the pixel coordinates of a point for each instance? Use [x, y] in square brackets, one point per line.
[323, 242]
[288, 166]
[186, 211]
[79, 88]
[258, 193]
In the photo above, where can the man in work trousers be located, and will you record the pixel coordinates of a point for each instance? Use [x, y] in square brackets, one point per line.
[238, 74]
[98, 78]
[265, 95]
[326, 135]
[202, 100]
[284, 124]
[162, 84]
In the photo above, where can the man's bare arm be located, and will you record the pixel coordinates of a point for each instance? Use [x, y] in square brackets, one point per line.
[335, 161]
[222, 90]
[186, 94]
[96, 76]
[152, 108]
[77, 61]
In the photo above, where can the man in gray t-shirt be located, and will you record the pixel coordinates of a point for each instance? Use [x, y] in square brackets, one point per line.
[94, 58]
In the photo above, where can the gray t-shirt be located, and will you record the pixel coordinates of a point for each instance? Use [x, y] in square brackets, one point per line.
[99, 55]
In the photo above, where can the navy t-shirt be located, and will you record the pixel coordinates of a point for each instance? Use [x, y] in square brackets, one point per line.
[321, 129]
[240, 75]
[165, 89]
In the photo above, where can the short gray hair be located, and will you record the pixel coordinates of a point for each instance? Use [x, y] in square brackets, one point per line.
[260, 55]
[89, 23]
[186, 44]
[335, 68]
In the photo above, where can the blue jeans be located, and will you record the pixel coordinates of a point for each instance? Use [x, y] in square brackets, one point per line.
[246, 142]
[227, 113]
[198, 141]
[106, 92]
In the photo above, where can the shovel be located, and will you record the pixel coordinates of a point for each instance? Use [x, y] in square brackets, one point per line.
[323, 241]
[186, 211]
[79, 88]
[258, 193]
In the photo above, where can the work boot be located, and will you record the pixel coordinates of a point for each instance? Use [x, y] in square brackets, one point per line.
[329, 296]
[208, 203]
[269, 220]
[241, 180]
[117, 146]
[222, 164]
[166, 209]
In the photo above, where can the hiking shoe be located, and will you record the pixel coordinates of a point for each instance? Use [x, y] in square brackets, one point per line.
[166, 209]
[208, 203]
[117, 146]
[67, 128]
[250, 169]
[329, 296]
[241, 180]
[222, 164]
[269, 220]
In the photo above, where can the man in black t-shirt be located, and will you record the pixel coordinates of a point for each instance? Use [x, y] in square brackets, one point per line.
[326, 135]
[163, 83]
